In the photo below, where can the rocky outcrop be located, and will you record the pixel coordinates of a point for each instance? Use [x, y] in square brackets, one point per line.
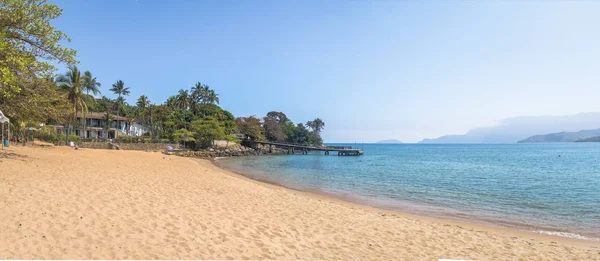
[228, 152]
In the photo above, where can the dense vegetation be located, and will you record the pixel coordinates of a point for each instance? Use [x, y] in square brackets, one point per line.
[31, 93]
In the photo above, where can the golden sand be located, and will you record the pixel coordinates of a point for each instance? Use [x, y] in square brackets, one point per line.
[59, 203]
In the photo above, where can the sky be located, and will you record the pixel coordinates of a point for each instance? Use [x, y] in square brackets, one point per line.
[371, 70]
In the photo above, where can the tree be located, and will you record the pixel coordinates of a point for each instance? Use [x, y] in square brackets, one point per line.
[206, 131]
[182, 100]
[301, 135]
[197, 93]
[213, 97]
[103, 104]
[107, 120]
[184, 135]
[143, 102]
[251, 127]
[72, 83]
[274, 124]
[90, 84]
[120, 89]
[28, 44]
[25, 106]
[316, 125]
[118, 105]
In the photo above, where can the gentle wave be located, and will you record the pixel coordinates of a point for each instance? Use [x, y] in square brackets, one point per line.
[565, 234]
[522, 186]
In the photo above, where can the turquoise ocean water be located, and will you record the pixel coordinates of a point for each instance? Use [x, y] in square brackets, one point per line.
[546, 188]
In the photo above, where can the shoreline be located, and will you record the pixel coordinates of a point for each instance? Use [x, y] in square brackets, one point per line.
[60, 203]
[362, 201]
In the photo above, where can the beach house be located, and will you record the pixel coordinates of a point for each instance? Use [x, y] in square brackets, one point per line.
[96, 126]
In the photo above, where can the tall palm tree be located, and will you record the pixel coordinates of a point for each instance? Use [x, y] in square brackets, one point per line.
[120, 89]
[90, 84]
[196, 94]
[73, 84]
[119, 104]
[143, 102]
[213, 97]
[107, 121]
[182, 99]
[143, 105]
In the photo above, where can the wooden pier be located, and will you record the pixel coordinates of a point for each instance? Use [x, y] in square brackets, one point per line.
[293, 148]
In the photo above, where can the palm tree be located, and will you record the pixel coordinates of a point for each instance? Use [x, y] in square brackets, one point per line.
[90, 84]
[143, 102]
[171, 102]
[213, 97]
[205, 92]
[107, 120]
[182, 99]
[119, 104]
[120, 89]
[196, 94]
[72, 83]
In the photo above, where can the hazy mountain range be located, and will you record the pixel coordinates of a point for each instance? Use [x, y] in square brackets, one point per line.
[391, 141]
[563, 136]
[515, 129]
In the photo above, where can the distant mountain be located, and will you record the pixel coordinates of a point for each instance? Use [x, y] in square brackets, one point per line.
[391, 141]
[563, 136]
[512, 130]
[591, 139]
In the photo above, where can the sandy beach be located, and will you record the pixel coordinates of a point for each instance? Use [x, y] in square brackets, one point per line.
[59, 203]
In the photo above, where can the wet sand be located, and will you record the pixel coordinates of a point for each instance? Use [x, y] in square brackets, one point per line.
[58, 203]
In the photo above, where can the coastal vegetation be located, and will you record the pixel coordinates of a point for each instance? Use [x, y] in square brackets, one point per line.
[32, 93]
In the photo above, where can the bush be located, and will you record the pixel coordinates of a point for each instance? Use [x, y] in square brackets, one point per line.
[93, 140]
[157, 140]
[74, 138]
[126, 139]
[233, 139]
[46, 133]
[60, 138]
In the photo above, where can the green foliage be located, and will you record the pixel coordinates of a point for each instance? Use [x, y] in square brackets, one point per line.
[72, 83]
[251, 127]
[274, 124]
[119, 89]
[206, 131]
[233, 139]
[90, 84]
[28, 43]
[39, 102]
[278, 128]
[317, 126]
[183, 135]
[46, 133]
[126, 139]
[74, 138]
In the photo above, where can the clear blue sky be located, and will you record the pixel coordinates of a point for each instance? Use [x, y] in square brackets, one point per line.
[370, 70]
